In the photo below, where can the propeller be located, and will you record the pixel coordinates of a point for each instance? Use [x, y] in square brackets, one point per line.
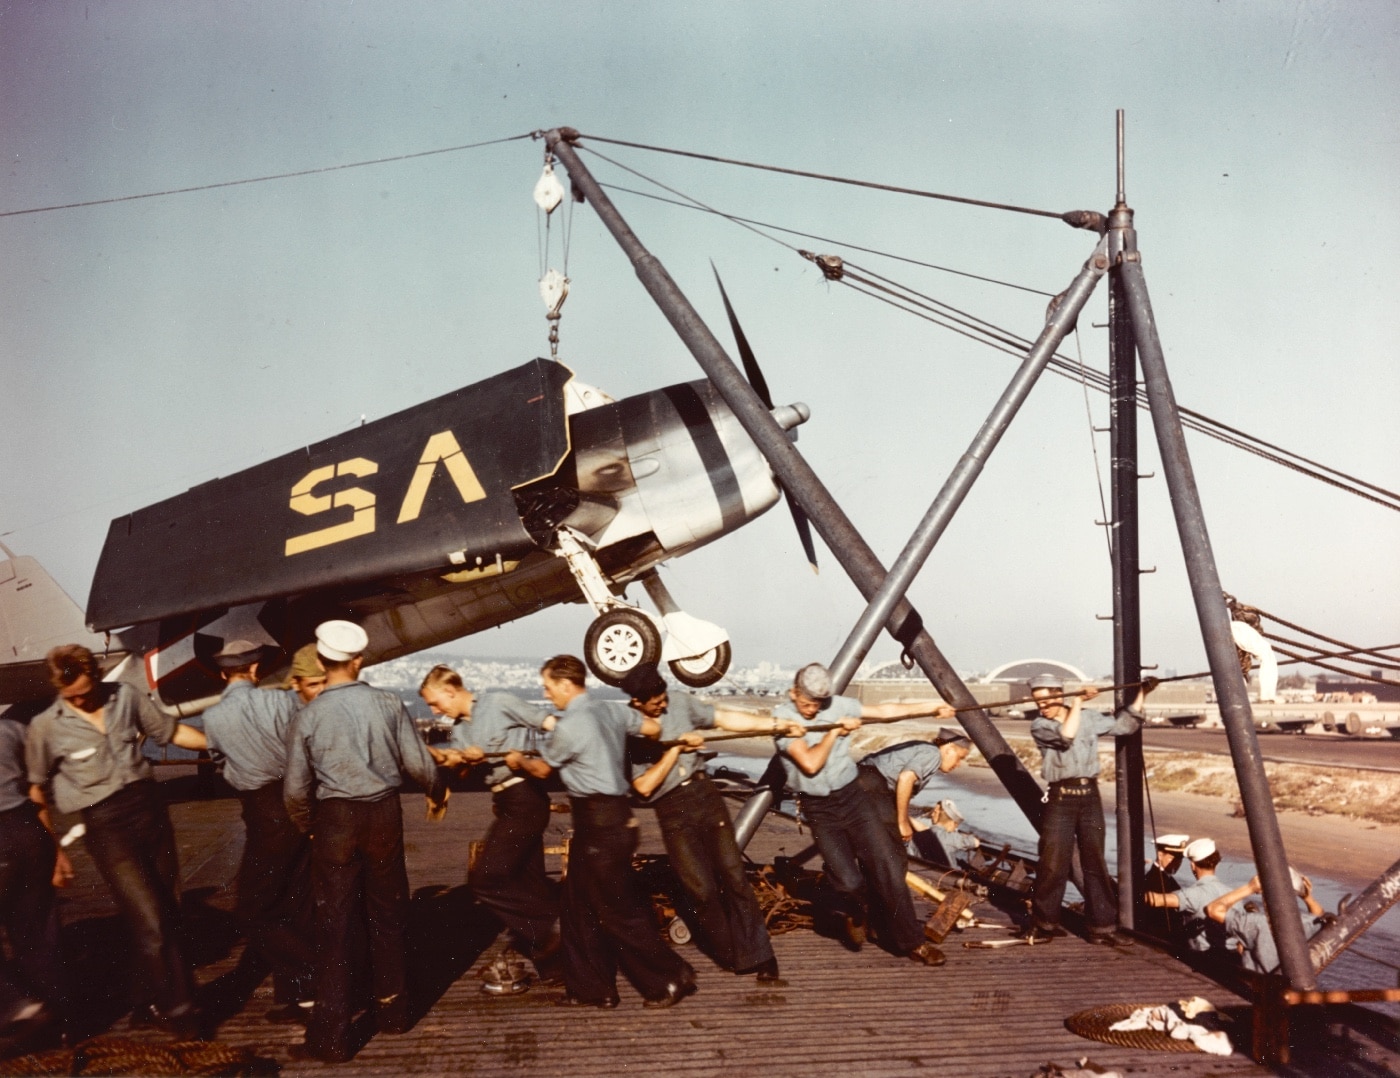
[760, 386]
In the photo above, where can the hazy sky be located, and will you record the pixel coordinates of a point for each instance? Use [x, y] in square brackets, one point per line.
[150, 345]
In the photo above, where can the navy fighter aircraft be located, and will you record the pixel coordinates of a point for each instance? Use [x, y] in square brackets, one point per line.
[459, 514]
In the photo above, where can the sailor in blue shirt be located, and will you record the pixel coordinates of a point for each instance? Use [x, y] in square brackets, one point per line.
[351, 746]
[508, 875]
[1067, 735]
[846, 822]
[895, 774]
[1193, 899]
[247, 731]
[87, 748]
[32, 989]
[606, 921]
[1249, 928]
[695, 826]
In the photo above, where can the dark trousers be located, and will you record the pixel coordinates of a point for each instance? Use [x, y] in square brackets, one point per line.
[882, 797]
[29, 913]
[699, 838]
[1073, 817]
[857, 850]
[508, 876]
[606, 921]
[274, 891]
[357, 872]
[133, 845]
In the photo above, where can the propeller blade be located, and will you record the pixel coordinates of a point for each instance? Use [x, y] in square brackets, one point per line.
[751, 369]
[804, 530]
[760, 386]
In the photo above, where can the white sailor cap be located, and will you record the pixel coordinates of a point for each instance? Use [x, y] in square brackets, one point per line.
[950, 811]
[1047, 681]
[340, 641]
[1173, 843]
[1200, 849]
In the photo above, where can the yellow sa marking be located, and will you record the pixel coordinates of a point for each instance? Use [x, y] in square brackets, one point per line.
[442, 448]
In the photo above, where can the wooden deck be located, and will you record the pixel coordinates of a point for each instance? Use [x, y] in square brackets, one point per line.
[986, 1013]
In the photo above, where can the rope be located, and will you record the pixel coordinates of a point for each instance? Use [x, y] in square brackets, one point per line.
[261, 179]
[1353, 648]
[830, 179]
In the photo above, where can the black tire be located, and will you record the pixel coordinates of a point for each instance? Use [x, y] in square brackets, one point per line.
[619, 641]
[703, 670]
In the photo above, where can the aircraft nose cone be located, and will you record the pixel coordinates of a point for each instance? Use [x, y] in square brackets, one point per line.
[792, 415]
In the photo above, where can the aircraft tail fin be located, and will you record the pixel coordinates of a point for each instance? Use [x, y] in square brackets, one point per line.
[35, 615]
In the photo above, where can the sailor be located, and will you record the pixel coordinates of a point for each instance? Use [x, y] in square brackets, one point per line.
[308, 679]
[247, 731]
[87, 747]
[606, 920]
[1160, 878]
[847, 824]
[1067, 735]
[695, 825]
[1193, 899]
[32, 864]
[347, 753]
[895, 774]
[507, 876]
[945, 817]
[1249, 928]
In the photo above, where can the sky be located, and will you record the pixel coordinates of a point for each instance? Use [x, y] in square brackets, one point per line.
[149, 345]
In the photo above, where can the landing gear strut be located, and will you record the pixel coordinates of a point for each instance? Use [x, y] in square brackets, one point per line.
[624, 636]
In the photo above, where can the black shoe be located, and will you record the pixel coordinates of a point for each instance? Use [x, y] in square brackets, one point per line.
[305, 1051]
[20, 1032]
[675, 992]
[1110, 939]
[606, 1004]
[768, 975]
[183, 1025]
[927, 954]
[392, 1015]
[1037, 935]
[853, 932]
[290, 1014]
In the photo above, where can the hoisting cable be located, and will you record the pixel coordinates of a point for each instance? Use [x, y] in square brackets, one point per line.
[830, 179]
[264, 179]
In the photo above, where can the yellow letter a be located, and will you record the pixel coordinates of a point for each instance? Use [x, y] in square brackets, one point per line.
[441, 447]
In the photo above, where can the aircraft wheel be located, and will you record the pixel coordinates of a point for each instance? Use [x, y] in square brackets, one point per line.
[703, 670]
[618, 641]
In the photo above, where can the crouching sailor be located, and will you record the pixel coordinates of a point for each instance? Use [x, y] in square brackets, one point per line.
[847, 824]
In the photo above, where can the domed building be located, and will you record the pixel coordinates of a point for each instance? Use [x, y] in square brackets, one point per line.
[1022, 670]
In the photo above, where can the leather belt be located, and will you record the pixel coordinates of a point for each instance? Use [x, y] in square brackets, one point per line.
[1073, 782]
[513, 780]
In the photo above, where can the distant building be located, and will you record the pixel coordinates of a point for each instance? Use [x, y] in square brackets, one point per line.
[1022, 670]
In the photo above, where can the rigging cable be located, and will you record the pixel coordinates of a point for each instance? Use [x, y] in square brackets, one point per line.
[263, 179]
[985, 332]
[830, 179]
